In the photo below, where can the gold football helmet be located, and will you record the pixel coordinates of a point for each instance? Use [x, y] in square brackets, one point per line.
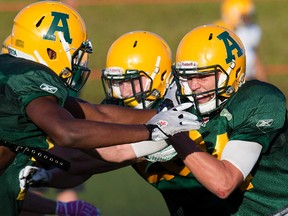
[53, 34]
[235, 11]
[142, 58]
[210, 50]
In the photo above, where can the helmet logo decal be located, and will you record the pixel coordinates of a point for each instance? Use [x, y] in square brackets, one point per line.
[62, 19]
[230, 45]
[186, 64]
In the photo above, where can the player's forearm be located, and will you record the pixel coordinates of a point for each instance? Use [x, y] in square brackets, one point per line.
[117, 154]
[107, 113]
[95, 135]
[133, 151]
[213, 174]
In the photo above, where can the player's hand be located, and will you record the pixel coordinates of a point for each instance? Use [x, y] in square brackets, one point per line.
[77, 208]
[169, 122]
[34, 177]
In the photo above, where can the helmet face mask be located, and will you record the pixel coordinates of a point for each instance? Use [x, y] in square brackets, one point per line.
[77, 77]
[132, 87]
[142, 59]
[210, 51]
[53, 34]
[184, 75]
[202, 72]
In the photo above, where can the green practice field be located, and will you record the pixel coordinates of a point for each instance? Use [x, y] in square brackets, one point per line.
[123, 192]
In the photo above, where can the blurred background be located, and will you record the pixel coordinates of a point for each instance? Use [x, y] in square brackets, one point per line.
[123, 192]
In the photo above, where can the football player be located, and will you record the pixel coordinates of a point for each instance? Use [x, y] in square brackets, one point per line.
[137, 74]
[236, 163]
[48, 54]
[239, 16]
[34, 202]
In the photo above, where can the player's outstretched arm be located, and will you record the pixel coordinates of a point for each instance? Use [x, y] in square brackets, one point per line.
[67, 131]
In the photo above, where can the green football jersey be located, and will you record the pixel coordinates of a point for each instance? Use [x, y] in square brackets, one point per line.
[22, 81]
[257, 112]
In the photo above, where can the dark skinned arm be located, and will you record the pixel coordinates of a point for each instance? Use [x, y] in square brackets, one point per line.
[107, 113]
[60, 125]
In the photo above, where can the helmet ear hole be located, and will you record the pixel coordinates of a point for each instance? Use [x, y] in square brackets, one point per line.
[238, 71]
[163, 75]
[51, 53]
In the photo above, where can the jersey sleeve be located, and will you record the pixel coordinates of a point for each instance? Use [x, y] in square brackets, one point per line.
[259, 115]
[28, 86]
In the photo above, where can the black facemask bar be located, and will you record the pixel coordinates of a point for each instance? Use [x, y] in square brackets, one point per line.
[79, 62]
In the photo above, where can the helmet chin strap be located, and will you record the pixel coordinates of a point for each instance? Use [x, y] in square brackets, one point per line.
[65, 45]
[39, 58]
[20, 54]
[187, 90]
[204, 107]
[208, 106]
[156, 71]
[136, 105]
[139, 106]
[133, 103]
[116, 91]
[223, 77]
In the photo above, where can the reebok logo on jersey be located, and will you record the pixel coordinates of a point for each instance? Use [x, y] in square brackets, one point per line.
[264, 123]
[48, 88]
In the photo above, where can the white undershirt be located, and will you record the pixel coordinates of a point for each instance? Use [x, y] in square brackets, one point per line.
[242, 154]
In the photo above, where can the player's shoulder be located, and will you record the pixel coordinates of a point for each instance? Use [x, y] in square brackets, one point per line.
[26, 76]
[254, 103]
[24, 69]
[255, 93]
[19, 66]
[260, 89]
